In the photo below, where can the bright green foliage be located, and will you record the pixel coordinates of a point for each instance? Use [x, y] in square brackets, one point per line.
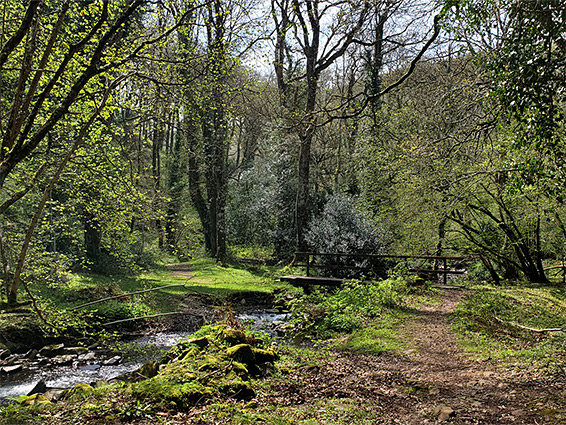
[528, 82]
[322, 315]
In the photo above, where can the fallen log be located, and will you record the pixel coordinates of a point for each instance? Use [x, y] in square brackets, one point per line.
[529, 328]
[127, 295]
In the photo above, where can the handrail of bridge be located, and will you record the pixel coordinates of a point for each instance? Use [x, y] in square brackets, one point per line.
[443, 258]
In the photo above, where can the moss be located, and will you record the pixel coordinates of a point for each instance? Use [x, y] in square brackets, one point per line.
[80, 390]
[211, 362]
[199, 342]
[240, 369]
[189, 354]
[233, 336]
[149, 370]
[242, 353]
[181, 395]
[264, 356]
[236, 388]
[194, 370]
[35, 399]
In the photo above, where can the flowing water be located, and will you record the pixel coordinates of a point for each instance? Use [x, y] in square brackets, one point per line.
[68, 376]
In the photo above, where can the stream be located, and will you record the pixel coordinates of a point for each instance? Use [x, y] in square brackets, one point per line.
[150, 347]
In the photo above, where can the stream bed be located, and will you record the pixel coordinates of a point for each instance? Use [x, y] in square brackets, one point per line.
[94, 369]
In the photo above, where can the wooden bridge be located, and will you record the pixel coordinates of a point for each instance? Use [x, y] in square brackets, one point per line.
[444, 266]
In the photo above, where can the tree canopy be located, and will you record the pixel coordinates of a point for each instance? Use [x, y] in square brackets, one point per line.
[135, 128]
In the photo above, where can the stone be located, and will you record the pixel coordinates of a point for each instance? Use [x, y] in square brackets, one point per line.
[113, 361]
[63, 360]
[149, 369]
[233, 336]
[87, 356]
[11, 346]
[10, 360]
[82, 390]
[31, 354]
[443, 412]
[11, 369]
[267, 369]
[90, 367]
[242, 353]
[39, 388]
[54, 395]
[264, 356]
[36, 399]
[200, 342]
[74, 350]
[52, 350]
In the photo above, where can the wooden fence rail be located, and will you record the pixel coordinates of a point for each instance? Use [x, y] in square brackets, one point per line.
[308, 260]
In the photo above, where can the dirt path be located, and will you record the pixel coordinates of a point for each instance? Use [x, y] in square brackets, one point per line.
[180, 270]
[432, 382]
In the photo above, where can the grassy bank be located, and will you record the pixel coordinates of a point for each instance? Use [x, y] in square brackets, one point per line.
[362, 319]
[518, 324]
[63, 302]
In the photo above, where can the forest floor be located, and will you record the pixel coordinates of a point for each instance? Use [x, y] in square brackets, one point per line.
[433, 381]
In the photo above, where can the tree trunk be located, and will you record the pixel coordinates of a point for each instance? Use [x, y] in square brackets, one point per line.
[93, 239]
[158, 135]
[302, 202]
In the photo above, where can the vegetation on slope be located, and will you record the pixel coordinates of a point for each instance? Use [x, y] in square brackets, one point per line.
[522, 324]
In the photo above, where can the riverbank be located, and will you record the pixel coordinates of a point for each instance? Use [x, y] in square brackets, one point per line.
[428, 379]
[99, 341]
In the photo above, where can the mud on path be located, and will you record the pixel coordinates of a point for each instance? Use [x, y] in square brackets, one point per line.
[432, 382]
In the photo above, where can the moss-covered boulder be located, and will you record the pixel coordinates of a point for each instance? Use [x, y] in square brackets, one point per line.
[148, 370]
[35, 399]
[216, 362]
[265, 356]
[79, 390]
[242, 353]
[199, 342]
[233, 336]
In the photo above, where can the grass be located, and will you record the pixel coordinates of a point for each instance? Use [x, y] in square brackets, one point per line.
[377, 336]
[491, 324]
[210, 279]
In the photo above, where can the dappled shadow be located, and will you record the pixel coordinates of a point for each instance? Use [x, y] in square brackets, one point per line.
[407, 386]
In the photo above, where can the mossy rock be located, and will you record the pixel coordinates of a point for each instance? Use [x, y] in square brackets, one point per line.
[264, 356]
[149, 370]
[36, 399]
[200, 342]
[171, 389]
[233, 337]
[212, 363]
[79, 390]
[242, 353]
[189, 354]
[240, 369]
[236, 388]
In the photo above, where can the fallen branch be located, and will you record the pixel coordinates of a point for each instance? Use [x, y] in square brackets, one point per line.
[128, 294]
[144, 317]
[528, 328]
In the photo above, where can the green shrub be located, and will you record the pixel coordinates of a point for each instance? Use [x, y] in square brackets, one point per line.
[320, 315]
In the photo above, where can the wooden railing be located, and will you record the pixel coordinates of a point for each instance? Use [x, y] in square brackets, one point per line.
[307, 260]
